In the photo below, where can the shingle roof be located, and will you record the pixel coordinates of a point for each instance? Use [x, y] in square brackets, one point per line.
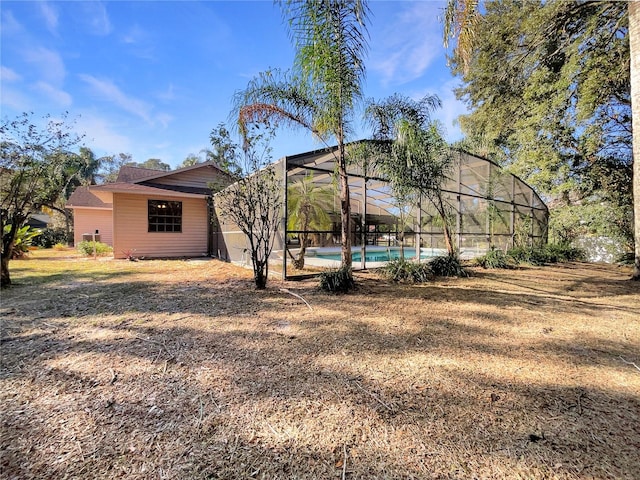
[82, 197]
[165, 190]
[133, 174]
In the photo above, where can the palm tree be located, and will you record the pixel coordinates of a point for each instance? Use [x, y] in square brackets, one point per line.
[308, 204]
[461, 17]
[321, 92]
[414, 155]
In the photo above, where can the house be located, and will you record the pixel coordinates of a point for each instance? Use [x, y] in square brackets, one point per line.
[150, 213]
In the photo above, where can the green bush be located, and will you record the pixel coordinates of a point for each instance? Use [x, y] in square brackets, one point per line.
[447, 266]
[87, 248]
[50, 237]
[564, 253]
[551, 253]
[627, 258]
[494, 258]
[402, 270]
[337, 281]
[25, 237]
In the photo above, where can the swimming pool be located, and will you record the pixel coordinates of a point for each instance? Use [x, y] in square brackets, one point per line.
[375, 254]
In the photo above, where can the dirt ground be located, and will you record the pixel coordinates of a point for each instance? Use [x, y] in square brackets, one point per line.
[181, 370]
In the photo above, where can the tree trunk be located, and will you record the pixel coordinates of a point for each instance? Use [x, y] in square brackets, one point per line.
[634, 43]
[345, 209]
[5, 281]
[445, 226]
[298, 262]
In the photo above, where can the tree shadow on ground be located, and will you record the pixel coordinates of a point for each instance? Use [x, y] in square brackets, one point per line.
[208, 381]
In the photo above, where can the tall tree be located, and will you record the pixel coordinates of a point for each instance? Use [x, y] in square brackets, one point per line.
[413, 153]
[191, 160]
[155, 164]
[321, 92]
[634, 40]
[110, 165]
[34, 171]
[224, 151]
[548, 84]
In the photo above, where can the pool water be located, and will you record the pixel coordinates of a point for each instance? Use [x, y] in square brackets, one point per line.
[374, 255]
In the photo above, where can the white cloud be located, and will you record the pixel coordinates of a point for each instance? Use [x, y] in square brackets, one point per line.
[50, 16]
[100, 135]
[9, 24]
[15, 100]
[164, 119]
[168, 94]
[139, 42]
[56, 95]
[110, 92]
[8, 75]
[451, 109]
[49, 63]
[408, 43]
[96, 18]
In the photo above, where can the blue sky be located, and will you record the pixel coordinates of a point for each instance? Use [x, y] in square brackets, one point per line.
[153, 78]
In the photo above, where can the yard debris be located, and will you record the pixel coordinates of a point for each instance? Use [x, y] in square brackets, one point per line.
[285, 290]
[629, 363]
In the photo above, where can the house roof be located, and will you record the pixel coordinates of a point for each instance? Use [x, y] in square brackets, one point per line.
[130, 174]
[164, 190]
[82, 197]
[136, 180]
[154, 174]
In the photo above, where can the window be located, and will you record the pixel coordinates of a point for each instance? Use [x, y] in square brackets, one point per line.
[165, 216]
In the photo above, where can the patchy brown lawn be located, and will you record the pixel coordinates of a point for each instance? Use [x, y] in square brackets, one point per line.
[180, 369]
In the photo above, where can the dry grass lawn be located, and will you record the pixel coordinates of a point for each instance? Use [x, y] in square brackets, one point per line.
[181, 370]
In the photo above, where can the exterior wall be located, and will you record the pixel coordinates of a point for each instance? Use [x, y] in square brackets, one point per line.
[88, 220]
[130, 213]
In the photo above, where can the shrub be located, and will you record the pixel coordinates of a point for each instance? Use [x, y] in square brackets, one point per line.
[337, 281]
[447, 266]
[50, 237]
[627, 258]
[564, 253]
[402, 270]
[494, 258]
[551, 253]
[24, 239]
[87, 248]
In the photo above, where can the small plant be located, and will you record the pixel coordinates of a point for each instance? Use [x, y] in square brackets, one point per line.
[24, 239]
[60, 247]
[129, 255]
[494, 258]
[337, 281]
[402, 270]
[447, 266]
[88, 248]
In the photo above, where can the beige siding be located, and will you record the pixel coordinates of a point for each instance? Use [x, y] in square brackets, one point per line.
[88, 220]
[131, 228]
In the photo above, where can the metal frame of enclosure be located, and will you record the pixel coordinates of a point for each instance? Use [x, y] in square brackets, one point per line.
[487, 207]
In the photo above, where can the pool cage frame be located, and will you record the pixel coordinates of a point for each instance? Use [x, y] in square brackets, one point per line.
[487, 208]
